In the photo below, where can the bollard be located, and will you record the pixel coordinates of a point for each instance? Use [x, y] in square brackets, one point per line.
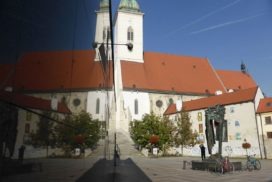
[184, 164]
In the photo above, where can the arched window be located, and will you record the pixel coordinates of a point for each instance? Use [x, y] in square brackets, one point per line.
[106, 33]
[97, 106]
[136, 109]
[171, 101]
[130, 36]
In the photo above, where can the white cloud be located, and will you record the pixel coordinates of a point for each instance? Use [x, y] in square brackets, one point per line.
[202, 18]
[226, 24]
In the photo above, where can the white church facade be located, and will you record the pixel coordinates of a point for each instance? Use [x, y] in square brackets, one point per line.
[141, 83]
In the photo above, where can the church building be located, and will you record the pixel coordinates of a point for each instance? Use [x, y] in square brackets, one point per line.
[136, 83]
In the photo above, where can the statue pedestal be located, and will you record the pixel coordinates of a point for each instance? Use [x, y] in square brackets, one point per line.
[209, 164]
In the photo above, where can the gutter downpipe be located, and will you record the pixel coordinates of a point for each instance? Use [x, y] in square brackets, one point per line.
[257, 130]
[264, 148]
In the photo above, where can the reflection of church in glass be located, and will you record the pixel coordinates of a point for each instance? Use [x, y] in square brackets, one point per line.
[144, 82]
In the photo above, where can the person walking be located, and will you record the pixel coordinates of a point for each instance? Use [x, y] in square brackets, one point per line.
[202, 149]
[21, 153]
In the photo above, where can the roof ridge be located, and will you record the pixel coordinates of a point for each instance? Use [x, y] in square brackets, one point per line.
[217, 76]
[173, 54]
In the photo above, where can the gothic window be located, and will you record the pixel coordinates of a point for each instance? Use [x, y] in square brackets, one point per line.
[97, 106]
[171, 101]
[130, 36]
[136, 109]
[237, 123]
[106, 33]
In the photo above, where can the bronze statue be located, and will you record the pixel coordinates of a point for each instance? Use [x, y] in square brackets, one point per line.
[216, 127]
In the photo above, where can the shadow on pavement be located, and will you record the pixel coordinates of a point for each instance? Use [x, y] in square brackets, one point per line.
[104, 171]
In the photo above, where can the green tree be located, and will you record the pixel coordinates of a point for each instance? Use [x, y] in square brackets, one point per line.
[142, 130]
[44, 135]
[84, 132]
[184, 136]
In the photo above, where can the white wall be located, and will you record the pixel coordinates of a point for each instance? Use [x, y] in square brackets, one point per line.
[266, 143]
[244, 113]
[104, 100]
[154, 97]
[143, 103]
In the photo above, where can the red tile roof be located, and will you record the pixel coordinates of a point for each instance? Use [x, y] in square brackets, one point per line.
[236, 80]
[265, 105]
[240, 96]
[61, 70]
[75, 70]
[165, 72]
[31, 102]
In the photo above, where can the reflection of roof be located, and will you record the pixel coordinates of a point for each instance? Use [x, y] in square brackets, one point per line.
[26, 101]
[265, 105]
[236, 80]
[62, 70]
[240, 96]
[171, 73]
[6, 72]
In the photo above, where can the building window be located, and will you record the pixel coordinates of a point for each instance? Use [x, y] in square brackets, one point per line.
[27, 128]
[106, 33]
[231, 109]
[269, 134]
[200, 128]
[136, 107]
[28, 116]
[171, 101]
[97, 106]
[237, 123]
[268, 120]
[76, 102]
[159, 103]
[199, 116]
[130, 35]
[238, 136]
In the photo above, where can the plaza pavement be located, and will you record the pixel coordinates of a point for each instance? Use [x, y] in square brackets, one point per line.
[136, 168]
[132, 166]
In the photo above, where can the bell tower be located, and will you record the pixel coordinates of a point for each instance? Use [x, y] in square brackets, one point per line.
[102, 32]
[129, 30]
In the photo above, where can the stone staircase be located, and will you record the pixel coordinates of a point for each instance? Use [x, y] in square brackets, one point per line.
[125, 145]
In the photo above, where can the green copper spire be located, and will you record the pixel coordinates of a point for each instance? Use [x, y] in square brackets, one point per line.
[104, 5]
[129, 5]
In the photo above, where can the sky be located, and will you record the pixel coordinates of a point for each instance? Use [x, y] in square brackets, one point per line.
[227, 32]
